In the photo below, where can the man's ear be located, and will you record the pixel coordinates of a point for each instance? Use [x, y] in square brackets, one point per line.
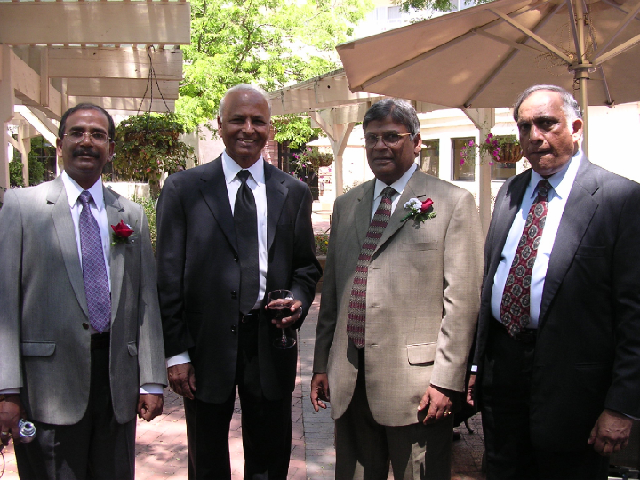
[417, 144]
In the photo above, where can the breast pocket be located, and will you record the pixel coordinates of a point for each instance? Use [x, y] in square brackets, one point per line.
[587, 251]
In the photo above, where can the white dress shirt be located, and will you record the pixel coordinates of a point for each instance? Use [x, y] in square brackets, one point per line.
[561, 183]
[257, 184]
[399, 185]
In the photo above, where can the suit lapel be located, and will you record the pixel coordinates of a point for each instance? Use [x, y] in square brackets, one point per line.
[66, 232]
[115, 213]
[363, 210]
[276, 196]
[578, 212]
[396, 221]
[215, 194]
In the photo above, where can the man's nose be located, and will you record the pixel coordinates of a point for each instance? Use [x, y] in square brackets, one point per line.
[86, 139]
[535, 135]
[248, 126]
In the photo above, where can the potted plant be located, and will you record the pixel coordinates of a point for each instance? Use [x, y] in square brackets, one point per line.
[500, 149]
[148, 146]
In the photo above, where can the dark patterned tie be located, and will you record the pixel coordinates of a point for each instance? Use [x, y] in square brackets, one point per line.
[94, 270]
[246, 220]
[358, 299]
[515, 306]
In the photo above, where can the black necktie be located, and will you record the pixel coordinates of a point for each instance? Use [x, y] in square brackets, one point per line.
[246, 220]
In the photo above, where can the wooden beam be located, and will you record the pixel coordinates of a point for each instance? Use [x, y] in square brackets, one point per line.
[47, 23]
[27, 86]
[126, 104]
[114, 63]
[122, 87]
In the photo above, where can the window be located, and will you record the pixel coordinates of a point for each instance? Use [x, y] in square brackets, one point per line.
[430, 157]
[394, 13]
[510, 152]
[467, 171]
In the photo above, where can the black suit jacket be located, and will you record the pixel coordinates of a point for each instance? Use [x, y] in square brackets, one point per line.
[587, 356]
[199, 275]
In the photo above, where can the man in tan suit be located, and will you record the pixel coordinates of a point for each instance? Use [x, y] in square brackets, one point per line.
[400, 299]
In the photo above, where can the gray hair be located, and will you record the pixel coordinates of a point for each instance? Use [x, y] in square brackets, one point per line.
[569, 104]
[244, 87]
[400, 111]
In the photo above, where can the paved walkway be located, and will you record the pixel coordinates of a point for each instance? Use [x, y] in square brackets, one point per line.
[161, 451]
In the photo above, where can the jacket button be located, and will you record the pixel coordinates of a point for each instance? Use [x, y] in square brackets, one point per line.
[234, 295]
[234, 328]
[85, 326]
[236, 258]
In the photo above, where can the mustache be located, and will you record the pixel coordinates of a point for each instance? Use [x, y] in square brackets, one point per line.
[85, 152]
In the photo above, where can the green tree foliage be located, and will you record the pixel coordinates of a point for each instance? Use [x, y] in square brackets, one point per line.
[271, 43]
[294, 129]
[434, 5]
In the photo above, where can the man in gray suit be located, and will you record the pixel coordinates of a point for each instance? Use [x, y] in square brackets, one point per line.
[81, 348]
[558, 348]
[399, 303]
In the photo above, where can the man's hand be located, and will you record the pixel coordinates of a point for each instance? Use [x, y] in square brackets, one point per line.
[150, 406]
[438, 401]
[320, 390]
[10, 413]
[296, 309]
[471, 389]
[182, 380]
[610, 433]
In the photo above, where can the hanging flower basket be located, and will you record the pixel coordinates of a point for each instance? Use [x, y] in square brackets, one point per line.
[502, 149]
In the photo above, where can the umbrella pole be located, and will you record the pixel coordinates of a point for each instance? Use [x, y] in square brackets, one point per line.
[581, 72]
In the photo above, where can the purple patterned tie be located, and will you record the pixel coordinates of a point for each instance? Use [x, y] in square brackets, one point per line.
[94, 270]
[358, 300]
[515, 306]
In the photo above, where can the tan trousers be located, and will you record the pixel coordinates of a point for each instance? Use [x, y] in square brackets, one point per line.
[364, 448]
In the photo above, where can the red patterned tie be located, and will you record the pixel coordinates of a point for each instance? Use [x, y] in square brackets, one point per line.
[358, 299]
[515, 311]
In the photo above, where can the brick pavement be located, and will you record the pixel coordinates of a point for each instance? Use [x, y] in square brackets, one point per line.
[161, 445]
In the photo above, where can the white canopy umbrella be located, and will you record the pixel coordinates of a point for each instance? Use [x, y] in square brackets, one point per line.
[483, 57]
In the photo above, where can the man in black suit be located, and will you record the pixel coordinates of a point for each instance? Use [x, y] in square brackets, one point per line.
[225, 239]
[558, 347]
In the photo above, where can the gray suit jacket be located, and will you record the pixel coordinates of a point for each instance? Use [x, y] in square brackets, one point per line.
[587, 356]
[45, 342]
[423, 294]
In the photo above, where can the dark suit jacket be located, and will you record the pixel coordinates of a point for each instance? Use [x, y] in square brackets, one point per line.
[587, 356]
[45, 345]
[199, 275]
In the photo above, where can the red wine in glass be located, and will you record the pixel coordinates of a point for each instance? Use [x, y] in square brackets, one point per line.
[279, 304]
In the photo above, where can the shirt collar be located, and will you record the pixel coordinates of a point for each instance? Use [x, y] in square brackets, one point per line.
[399, 185]
[74, 190]
[561, 181]
[231, 169]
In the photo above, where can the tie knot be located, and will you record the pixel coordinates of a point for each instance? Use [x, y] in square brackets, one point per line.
[85, 198]
[243, 175]
[388, 192]
[543, 188]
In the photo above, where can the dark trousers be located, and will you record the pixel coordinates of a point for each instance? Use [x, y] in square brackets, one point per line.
[506, 393]
[266, 424]
[97, 447]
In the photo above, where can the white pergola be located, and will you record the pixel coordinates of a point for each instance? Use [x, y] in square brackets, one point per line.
[336, 109]
[55, 54]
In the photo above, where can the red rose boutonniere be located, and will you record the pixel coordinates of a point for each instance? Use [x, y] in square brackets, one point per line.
[121, 232]
[419, 211]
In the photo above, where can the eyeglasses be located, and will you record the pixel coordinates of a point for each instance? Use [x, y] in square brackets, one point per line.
[390, 139]
[97, 138]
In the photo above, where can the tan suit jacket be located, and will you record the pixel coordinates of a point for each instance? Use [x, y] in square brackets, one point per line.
[423, 296]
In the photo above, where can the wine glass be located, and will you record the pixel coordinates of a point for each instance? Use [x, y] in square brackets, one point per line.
[279, 304]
